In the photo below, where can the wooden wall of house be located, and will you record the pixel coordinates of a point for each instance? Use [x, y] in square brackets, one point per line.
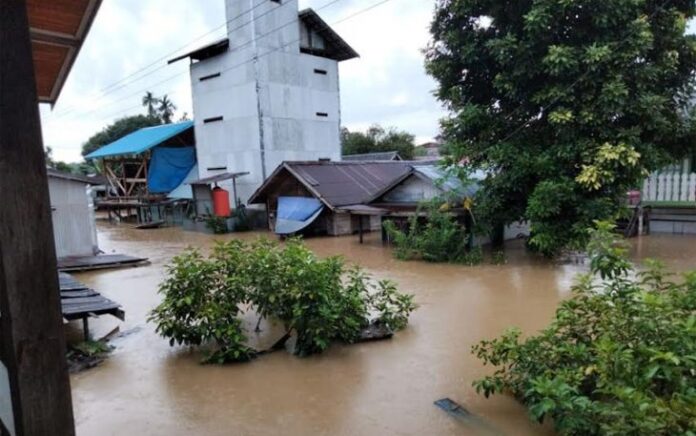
[412, 190]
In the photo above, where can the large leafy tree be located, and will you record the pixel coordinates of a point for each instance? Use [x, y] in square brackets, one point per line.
[117, 130]
[378, 139]
[567, 103]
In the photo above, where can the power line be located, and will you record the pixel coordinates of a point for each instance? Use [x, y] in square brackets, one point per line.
[174, 76]
[105, 90]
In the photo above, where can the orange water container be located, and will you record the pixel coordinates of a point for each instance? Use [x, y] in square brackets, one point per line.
[221, 202]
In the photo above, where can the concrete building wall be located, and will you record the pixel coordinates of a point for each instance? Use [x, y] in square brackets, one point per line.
[74, 227]
[276, 103]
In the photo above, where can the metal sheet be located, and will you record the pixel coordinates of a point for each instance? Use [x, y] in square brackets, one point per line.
[6, 411]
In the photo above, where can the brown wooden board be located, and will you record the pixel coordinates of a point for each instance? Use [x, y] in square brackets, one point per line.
[98, 262]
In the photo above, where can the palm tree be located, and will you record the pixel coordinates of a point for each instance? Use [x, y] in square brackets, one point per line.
[150, 101]
[166, 109]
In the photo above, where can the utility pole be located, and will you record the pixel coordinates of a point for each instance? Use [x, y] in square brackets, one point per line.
[32, 342]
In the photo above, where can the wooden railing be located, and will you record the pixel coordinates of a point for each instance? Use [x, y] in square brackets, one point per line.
[670, 187]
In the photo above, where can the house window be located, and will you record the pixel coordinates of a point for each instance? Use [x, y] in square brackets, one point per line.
[211, 76]
[322, 114]
[322, 72]
[212, 120]
[217, 169]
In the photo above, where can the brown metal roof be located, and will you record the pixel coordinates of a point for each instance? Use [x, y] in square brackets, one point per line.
[58, 29]
[338, 183]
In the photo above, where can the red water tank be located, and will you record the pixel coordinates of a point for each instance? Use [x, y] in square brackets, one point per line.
[221, 202]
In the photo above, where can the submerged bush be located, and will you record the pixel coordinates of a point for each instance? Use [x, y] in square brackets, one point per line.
[619, 357]
[436, 237]
[314, 298]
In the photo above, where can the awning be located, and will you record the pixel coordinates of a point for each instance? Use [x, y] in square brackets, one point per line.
[141, 140]
[296, 213]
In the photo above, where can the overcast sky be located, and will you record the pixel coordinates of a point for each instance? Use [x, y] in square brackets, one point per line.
[386, 85]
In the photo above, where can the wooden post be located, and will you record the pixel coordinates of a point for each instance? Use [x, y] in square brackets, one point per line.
[360, 227]
[32, 341]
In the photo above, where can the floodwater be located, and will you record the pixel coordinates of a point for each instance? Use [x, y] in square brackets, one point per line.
[379, 388]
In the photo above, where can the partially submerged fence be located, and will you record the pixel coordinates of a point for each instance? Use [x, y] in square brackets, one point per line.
[672, 187]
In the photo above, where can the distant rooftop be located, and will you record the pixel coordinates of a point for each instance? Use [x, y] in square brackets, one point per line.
[387, 155]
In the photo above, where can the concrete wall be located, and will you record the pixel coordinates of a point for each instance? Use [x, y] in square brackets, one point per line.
[269, 96]
[74, 227]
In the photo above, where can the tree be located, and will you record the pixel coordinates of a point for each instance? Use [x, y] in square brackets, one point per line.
[566, 104]
[117, 130]
[166, 109]
[151, 102]
[378, 139]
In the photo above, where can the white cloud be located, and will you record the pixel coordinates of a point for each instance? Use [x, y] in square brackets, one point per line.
[386, 85]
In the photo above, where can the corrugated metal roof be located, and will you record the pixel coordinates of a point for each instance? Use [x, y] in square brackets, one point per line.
[339, 183]
[387, 155]
[87, 180]
[140, 141]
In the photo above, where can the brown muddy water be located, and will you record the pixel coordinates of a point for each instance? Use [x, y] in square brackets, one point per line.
[380, 388]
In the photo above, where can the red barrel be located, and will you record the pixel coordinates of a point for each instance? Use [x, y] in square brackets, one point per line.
[221, 202]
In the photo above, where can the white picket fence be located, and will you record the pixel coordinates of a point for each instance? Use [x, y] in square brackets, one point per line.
[670, 186]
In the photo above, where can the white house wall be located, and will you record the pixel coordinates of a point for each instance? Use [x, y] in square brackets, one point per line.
[74, 227]
[272, 108]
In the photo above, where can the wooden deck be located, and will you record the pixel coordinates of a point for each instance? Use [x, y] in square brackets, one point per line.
[106, 261]
[80, 302]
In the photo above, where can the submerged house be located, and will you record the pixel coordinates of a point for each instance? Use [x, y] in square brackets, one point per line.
[148, 163]
[318, 195]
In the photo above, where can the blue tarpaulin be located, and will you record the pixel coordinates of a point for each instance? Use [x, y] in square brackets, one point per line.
[169, 167]
[296, 213]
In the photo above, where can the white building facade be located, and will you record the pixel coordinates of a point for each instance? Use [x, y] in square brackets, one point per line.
[268, 93]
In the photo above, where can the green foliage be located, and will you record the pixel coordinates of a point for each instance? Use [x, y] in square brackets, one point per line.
[567, 104]
[435, 237]
[217, 224]
[618, 358]
[89, 349]
[378, 139]
[314, 298]
[117, 130]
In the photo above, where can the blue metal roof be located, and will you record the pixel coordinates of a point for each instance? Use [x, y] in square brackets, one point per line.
[141, 140]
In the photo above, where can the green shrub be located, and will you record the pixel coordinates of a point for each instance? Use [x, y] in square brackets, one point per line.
[437, 237]
[619, 357]
[314, 298]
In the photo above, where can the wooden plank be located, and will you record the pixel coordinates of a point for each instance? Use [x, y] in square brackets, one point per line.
[32, 345]
[86, 263]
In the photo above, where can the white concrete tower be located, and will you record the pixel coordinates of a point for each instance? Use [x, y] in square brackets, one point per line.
[268, 93]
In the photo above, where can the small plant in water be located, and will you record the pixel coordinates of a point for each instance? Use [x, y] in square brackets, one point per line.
[498, 258]
[619, 357]
[436, 237]
[315, 299]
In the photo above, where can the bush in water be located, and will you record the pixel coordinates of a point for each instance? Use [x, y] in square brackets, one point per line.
[314, 298]
[439, 237]
[619, 357]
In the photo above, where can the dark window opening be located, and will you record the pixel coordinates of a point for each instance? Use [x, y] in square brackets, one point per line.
[217, 169]
[212, 120]
[322, 72]
[212, 76]
[322, 114]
